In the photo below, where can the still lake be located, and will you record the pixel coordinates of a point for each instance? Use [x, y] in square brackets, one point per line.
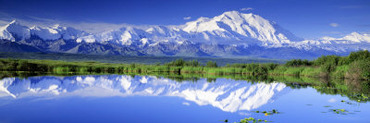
[146, 99]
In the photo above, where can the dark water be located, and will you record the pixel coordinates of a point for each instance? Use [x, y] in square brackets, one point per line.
[143, 99]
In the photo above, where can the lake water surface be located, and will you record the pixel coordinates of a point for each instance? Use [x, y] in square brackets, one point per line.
[143, 99]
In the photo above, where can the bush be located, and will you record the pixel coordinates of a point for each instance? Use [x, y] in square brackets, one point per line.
[298, 62]
[359, 70]
[359, 55]
[211, 64]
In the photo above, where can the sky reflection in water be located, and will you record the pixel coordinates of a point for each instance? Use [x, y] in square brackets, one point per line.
[121, 98]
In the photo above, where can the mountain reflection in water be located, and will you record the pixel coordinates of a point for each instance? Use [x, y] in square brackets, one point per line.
[225, 94]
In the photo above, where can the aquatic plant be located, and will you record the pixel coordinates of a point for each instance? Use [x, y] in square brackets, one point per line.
[267, 113]
[339, 111]
[251, 119]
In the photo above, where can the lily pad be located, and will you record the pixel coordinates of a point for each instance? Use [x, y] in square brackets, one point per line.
[252, 120]
[339, 111]
[267, 113]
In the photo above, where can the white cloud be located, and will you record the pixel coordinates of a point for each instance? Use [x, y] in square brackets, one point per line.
[186, 103]
[332, 100]
[246, 9]
[244, 113]
[334, 24]
[187, 18]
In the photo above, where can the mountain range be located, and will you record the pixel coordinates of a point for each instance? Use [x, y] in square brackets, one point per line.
[231, 34]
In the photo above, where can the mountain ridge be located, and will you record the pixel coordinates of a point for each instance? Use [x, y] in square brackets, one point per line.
[230, 34]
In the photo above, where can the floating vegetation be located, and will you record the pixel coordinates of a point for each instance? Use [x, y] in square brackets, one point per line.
[339, 111]
[347, 102]
[327, 106]
[267, 113]
[226, 120]
[253, 120]
[274, 111]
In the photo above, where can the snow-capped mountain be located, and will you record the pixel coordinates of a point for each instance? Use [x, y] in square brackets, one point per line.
[235, 26]
[227, 95]
[351, 42]
[231, 34]
[56, 32]
[228, 27]
[352, 38]
[15, 31]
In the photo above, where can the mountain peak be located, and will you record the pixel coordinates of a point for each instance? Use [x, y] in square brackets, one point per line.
[14, 22]
[14, 30]
[353, 37]
[55, 26]
[202, 19]
[355, 33]
[236, 14]
[232, 13]
[357, 37]
[239, 27]
[11, 23]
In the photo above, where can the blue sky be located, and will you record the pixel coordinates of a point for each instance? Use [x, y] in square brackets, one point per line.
[306, 18]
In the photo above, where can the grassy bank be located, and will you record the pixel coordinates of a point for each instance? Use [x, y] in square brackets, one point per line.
[354, 66]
